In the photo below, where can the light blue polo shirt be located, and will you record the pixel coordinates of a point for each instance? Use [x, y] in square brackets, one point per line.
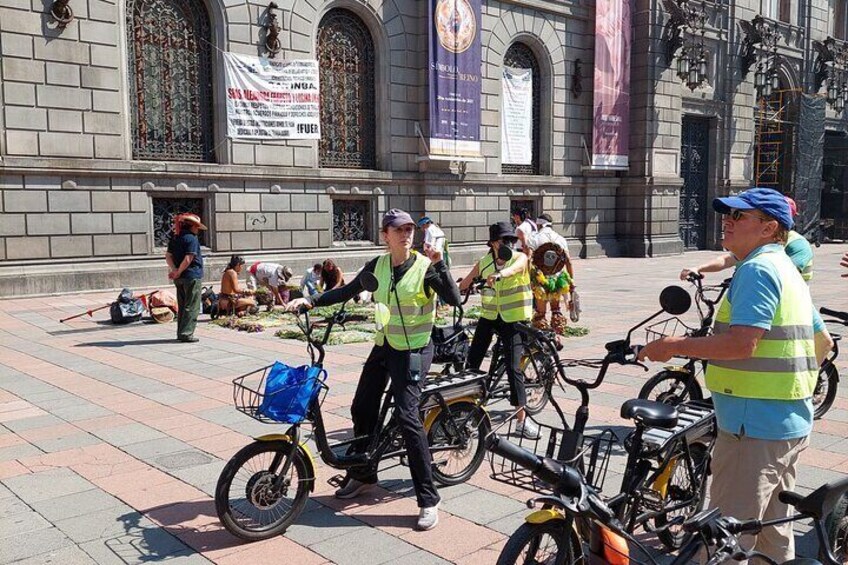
[754, 295]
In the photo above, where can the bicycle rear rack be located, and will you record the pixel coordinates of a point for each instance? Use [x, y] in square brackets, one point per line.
[695, 419]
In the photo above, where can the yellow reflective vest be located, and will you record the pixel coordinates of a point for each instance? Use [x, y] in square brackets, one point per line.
[511, 297]
[783, 366]
[411, 312]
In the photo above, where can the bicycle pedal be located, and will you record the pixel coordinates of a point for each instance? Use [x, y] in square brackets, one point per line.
[336, 481]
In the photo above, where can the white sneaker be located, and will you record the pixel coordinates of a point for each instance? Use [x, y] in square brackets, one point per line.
[352, 489]
[428, 518]
[528, 429]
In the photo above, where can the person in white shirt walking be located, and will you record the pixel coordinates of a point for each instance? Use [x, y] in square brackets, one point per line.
[525, 227]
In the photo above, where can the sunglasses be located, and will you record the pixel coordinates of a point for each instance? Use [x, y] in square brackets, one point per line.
[737, 215]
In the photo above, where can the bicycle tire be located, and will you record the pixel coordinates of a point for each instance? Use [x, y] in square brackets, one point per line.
[691, 389]
[439, 431]
[836, 525]
[544, 382]
[701, 463]
[530, 536]
[832, 383]
[226, 510]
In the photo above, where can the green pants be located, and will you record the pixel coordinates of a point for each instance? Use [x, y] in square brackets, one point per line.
[188, 301]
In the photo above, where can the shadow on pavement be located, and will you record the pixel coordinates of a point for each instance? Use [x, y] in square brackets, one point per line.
[116, 343]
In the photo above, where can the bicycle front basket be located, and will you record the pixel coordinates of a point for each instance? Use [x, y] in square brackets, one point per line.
[282, 394]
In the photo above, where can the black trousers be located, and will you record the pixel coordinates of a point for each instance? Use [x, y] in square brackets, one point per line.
[512, 347]
[384, 364]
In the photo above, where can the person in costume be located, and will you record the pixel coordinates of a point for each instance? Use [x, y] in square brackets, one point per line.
[551, 274]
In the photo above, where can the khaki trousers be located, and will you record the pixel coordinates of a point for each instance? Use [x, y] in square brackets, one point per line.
[748, 474]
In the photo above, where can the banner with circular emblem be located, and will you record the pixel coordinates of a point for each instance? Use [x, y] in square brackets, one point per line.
[455, 78]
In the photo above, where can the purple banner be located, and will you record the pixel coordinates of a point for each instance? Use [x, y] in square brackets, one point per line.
[611, 127]
[455, 78]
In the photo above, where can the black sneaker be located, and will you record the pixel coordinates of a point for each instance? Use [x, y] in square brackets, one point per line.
[189, 339]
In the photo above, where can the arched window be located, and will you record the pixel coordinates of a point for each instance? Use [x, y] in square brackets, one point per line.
[170, 58]
[346, 60]
[520, 56]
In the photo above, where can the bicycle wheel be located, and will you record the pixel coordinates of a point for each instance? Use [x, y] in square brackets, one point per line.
[825, 392]
[248, 504]
[672, 387]
[550, 542]
[539, 374]
[682, 485]
[463, 429]
[837, 531]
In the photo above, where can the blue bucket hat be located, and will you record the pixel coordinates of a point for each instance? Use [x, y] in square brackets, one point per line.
[424, 221]
[766, 200]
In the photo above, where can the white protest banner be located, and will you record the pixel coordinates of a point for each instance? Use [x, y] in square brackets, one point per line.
[269, 99]
[517, 117]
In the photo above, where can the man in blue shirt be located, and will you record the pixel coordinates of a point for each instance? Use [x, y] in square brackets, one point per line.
[767, 345]
[185, 268]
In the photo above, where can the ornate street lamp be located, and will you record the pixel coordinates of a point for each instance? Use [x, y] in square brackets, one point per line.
[830, 67]
[760, 46]
[685, 16]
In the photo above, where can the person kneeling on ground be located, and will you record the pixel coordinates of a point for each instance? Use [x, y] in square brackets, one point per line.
[406, 298]
[234, 298]
[272, 276]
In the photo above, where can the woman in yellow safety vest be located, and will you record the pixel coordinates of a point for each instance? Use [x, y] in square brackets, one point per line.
[406, 300]
[507, 300]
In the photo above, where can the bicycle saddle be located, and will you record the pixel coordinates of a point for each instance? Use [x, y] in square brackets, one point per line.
[649, 413]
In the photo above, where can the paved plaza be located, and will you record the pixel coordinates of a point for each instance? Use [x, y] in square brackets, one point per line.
[112, 438]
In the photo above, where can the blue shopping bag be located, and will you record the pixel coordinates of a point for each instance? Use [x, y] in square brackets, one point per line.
[289, 391]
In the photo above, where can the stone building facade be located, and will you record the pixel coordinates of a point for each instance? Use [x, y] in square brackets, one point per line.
[92, 163]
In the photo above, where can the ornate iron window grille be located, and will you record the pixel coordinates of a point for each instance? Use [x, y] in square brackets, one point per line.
[164, 210]
[348, 123]
[520, 56]
[351, 220]
[170, 56]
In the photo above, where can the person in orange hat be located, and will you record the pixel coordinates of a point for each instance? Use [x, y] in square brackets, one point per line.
[185, 268]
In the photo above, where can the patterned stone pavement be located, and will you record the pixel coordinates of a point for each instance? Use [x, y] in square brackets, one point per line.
[112, 438]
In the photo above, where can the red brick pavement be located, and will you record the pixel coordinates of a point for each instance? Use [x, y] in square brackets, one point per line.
[615, 292]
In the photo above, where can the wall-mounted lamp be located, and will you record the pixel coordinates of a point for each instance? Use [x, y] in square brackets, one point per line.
[686, 17]
[61, 12]
[272, 31]
[830, 68]
[760, 46]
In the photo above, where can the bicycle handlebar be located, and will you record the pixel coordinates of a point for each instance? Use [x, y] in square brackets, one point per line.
[841, 317]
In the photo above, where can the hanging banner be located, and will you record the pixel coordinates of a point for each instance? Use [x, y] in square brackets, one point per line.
[517, 117]
[611, 127]
[269, 99]
[455, 78]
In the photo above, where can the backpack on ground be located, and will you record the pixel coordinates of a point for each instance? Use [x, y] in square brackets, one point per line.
[126, 308]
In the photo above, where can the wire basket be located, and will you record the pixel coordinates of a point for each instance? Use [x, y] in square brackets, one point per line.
[249, 397]
[673, 326]
[593, 455]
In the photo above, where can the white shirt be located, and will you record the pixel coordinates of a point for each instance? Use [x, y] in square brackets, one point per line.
[548, 235]
[434, 237]
[527, 228]
[266, 273]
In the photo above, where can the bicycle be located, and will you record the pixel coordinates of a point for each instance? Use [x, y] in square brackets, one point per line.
[676, 384]
[451, 344]
[575, 524]
[668, 452]
[264, 487]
